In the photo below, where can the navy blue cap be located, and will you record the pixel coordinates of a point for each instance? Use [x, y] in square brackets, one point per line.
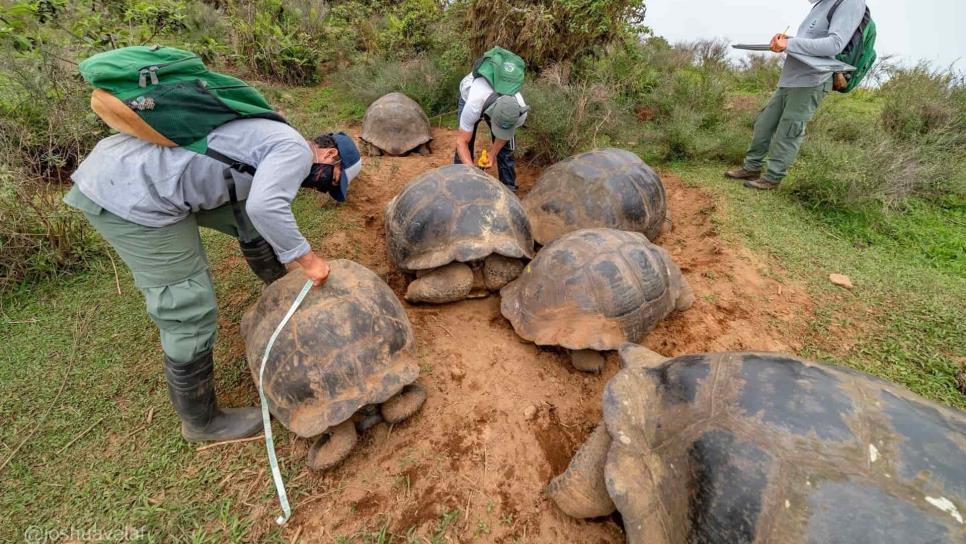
[351, 165]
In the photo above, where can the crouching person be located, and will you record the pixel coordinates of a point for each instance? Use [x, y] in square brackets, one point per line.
[490, 93]
[149, 202]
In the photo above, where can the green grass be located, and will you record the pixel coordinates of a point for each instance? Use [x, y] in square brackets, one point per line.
[906, 317]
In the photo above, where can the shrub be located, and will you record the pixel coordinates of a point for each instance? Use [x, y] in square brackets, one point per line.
[432, 82]
[39, 236]
[759, 73]
[46, 125]
[570, 117]
[280, 39]
[544, 32]
[920, 102]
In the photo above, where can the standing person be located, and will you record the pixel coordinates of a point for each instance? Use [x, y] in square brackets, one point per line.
[149, 201]
[780, 127]
[491, 93]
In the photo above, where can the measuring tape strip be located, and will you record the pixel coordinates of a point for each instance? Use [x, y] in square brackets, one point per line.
[266, 417]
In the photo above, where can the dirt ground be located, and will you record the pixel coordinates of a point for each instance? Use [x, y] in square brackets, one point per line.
[472, 463]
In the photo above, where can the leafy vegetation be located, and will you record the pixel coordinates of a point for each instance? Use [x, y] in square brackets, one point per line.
[879, 193]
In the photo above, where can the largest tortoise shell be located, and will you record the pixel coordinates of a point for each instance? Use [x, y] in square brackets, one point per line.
[593, 289]
[455, 213]
[761, 447]
[605, 188]
[350, 344]
[396, 124]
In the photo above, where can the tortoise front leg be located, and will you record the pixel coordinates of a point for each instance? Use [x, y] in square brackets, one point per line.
[333, 446]
[581, 491]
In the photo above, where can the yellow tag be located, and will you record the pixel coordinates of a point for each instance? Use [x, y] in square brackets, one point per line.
[483, 159]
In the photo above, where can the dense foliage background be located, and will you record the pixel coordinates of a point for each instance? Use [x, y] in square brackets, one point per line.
[597, 77]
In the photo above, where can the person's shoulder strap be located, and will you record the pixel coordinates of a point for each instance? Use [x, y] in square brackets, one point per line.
[490, 100]
[236, 165]
[835, 7]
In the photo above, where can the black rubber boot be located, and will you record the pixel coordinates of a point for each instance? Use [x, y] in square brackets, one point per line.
[262, 260]
[192, 394]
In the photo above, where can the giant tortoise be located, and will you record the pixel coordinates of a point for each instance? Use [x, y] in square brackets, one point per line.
[763, 447]
[343, 363]
[593, 290]
[457, 229]
[607, 188]
[395, 125]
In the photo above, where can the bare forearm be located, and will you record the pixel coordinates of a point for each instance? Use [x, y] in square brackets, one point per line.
[463, 150]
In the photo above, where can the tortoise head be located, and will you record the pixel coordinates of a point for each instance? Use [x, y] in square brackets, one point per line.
[636, 356]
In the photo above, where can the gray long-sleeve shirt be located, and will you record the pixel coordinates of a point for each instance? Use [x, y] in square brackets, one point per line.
[816, 38]
[157, 186]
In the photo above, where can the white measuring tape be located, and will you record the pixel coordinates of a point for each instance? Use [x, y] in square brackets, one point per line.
[266, 418]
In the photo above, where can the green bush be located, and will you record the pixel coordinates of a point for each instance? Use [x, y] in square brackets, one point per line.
[433, 82]
[40, 237]
[874, 152]
[920, 102]
[571, 116]
[280, 39]
[545, 32]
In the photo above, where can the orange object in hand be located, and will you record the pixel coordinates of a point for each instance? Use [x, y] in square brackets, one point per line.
[483, 160]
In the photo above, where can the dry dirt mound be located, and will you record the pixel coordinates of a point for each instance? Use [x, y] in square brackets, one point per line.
[503, 416]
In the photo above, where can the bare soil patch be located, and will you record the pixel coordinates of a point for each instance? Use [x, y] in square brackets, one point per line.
[504, 416]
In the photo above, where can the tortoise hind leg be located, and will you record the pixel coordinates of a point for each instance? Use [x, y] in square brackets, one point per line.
[587, 360]
[333, 446]
[370, 150]
[581, 491]
[424, 149]
[404, 405]
[685, 297]
[499, 271]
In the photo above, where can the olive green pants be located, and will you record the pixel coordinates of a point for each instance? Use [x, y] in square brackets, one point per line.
[780, 129]
[170, 267]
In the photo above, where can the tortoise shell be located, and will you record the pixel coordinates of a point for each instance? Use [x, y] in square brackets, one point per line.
[455, 213]
[396, 124]
[759, 447]
[593, 289]
[349, 344]
[609, 188]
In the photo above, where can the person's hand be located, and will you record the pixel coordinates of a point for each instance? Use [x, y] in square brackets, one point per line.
[779, 43]
[488, 164]
[315, 267]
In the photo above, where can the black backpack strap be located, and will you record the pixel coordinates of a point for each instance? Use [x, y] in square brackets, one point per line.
[230, 162]
[476, 67]
[835, 7]
[229, 174]
[490, 100]
[243, 227]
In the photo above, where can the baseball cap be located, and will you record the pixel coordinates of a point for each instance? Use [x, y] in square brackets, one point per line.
[351, 165]
[504, 115]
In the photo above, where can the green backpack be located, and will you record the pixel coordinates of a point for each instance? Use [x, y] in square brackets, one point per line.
[174, 93]
[860, 51]
[503, 69]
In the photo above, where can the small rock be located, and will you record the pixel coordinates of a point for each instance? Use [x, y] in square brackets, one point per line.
[530, 412]
[457, 373]
[840, 280]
